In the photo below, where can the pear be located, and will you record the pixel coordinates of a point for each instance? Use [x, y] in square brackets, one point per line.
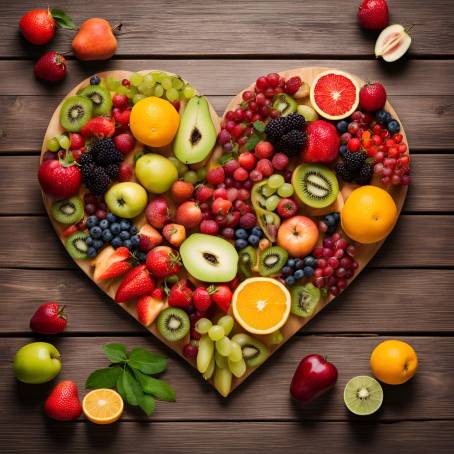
[392, 43]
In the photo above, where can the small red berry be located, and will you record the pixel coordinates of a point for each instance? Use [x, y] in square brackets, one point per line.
[241, 174]
[264, 149]
[216, 176]
[247, 160]
[265, 167]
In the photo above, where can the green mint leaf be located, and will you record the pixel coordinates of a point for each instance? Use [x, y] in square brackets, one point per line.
[157, 388]
[62, 19]
[132, 389]
[147, 404]
[252, 142]
[116, 353]
[103, 378]
[120, 387]
[370, 160]
[226, 157]
[147, 362]
[259, 126]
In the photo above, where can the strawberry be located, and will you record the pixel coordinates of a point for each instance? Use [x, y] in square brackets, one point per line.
[99, 127]
[372, 96]
[136, 283]
[60, 178]
[158, 293]
[175, 234]
[158, 212]
[124, 142]
[188, 214]
[38, 26]
[163, 261]
[181, 191]
[201, 299]
[180, 295]
[149, 238]
[322, 142]
[49, 318]
[148, 308]
[69, 231]
[112, 263]
[203, 193]
[51, 67]
[121, 118]
[286, 208]
[221, 295]
[63, 403]
[373, 14]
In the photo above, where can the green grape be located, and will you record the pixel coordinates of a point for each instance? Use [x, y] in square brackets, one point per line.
[275, 181]
[223, 346]
[132, 92]
[268, 190]
[209, 372]
[205, 353]
[272, 202]
[136, 79]
[146, 90]
[188, 92]
[269, 218]
[286, 190]
[112, 83]
[274, 338]
[64, 141]
[148, 79]
[201, 174]
[122, 90]
[223, 380]
[172, 94]
[177, 83]
[181, 168]
[166, 83]
[137, 98]
[158, 91]
[221, 361]
[236, 354]
[53, 145]
[159, 76]
[238, 368]
[190, 177]
[216, 333]
[227, 323]
[203, 325]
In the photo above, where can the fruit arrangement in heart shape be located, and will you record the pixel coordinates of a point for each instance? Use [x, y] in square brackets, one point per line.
[224, 237]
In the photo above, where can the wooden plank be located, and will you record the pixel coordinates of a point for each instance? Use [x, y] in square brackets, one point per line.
[265, 395]
[26, 119]
[215, 77]
[417, 241]
[239, 28]
[408, 437]
[364, 307]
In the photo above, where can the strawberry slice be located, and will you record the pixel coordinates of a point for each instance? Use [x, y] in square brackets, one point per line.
[112, 263]
[149, 238]
[99, 127]
[148, 308]
[136, 283]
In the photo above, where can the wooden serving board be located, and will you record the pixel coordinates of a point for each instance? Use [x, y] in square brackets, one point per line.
[294, 324]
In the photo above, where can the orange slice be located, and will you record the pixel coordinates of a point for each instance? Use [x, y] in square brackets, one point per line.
[261, 305]
[102, 406]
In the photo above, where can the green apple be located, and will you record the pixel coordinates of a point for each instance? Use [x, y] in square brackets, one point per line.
[37, 362]
[155, 172]
[126, 200]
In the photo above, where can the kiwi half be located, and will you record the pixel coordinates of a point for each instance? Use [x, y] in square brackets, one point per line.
[75, 112]
[304, 300]
[100, 97]
[247, 260]
[68, 211]
[254, 351]
[272, 260]
[173, 324]
[76, 245]
[315, 185]
[285, 104]
[363, 395]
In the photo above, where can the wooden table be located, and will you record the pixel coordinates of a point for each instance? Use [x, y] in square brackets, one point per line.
[406, 292]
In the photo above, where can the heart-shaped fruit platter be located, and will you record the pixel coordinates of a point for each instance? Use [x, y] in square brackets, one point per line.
[224, 237]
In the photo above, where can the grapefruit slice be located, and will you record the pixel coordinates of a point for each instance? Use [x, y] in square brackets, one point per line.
[334, 94]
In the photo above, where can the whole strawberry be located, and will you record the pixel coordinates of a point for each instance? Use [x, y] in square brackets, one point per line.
[38, 26]
[201, 299]
[51, 67]
[158, 212]
[137, 282]
[49, 318]
[372, 96]
[99, 127]
[221, 295]
[162, 261]
[63, 403]
[373, 14]
[180, 295]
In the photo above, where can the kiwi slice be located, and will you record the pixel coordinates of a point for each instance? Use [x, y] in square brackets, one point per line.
[269, 222]
[363, 395]
[247, 260]
[304, 300]
[285, 104]
[75, 112]
[315, 185]
[254, 351]
[68, 211]
[173, 324]
[76, 245]
[272, 260]
[100, 97]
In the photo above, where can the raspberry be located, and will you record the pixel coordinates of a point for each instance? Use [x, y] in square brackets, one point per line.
[209, 227]
[248, 221]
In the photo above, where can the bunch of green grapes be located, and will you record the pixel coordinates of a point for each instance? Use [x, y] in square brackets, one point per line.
[58, 142]
[189, 175]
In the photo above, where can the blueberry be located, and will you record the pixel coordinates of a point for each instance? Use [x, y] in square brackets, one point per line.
[299, 264]
[98, 244]
[308, 271]
[111, 217]
[89, 241]
[298, 274]
[336, 216]
[125, 225]
[383, 117]
[107, 235]
[95, 80]
[241, 234]
[92, 252]
[135, 240]
[92, 221]
[257, 231]
[342, 126]
[393, 127]
[115, 228]
[127, 243]
[96, 232]
[104, 224]
[291, 263]
[116, 242]
[142, 256]
[310, 261]
[343, 150]
[133, 230]
[287, 271]
[329, 220]
[290, 280]
[124, 235]
[253, 240]
[240, 243]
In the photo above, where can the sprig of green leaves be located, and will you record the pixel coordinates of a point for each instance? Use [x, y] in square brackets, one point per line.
[256, 136]
[131, 375]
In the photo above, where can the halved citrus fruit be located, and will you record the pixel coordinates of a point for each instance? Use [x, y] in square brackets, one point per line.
[261, 305]
[334, 94]
[102, 406]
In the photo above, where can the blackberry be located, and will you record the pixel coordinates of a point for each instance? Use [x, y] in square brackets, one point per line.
[85, 159]
[354, 161]
[343, 172]
[365, 174]
[104, 152]
[98, 181]
[294, 121]
[292, 142]
[87, 171]
[112, 171]
[275, 129]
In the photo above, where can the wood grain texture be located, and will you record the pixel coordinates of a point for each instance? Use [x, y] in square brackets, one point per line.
[234, 27]
[378, 302]
[264, 396]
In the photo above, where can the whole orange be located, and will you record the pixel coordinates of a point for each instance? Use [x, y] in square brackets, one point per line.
[368, 215]
[393, 362]
[154, 121]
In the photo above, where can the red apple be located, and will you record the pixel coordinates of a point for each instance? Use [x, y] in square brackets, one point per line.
[313, 376]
